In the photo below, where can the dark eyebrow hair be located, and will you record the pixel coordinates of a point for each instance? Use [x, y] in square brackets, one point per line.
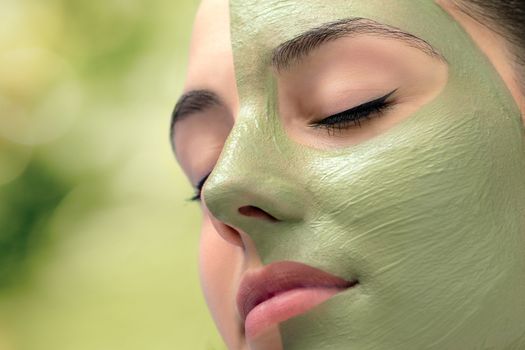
[193, 102]
[293, 50]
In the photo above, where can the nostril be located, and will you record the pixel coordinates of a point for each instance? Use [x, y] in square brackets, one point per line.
[258, 213]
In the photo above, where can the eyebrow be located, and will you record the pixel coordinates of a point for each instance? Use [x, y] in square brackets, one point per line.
[192, 102]
[292, 51]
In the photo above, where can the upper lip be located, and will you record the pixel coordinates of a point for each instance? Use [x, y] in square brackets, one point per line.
[263, 284]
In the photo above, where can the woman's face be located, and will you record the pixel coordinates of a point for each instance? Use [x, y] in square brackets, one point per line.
[371, 154]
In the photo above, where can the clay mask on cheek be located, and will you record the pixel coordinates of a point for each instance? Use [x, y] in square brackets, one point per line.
[428, 216]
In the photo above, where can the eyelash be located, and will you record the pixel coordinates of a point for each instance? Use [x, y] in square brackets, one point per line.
[198, 189]
[353, 116]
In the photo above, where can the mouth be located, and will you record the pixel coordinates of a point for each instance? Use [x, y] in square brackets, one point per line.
[281, 291]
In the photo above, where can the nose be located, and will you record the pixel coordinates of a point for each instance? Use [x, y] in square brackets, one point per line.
[248, 198]
[231, 234]
[253, 187]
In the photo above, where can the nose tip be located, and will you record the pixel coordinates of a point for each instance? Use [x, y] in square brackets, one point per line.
[256, 213]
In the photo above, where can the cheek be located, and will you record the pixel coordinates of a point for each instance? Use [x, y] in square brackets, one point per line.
[219, 263]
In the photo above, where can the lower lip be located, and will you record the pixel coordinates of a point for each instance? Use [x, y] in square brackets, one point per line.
[284, 306]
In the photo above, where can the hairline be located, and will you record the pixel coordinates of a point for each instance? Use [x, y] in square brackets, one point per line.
[492, 22]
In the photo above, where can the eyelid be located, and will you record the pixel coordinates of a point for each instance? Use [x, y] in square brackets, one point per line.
[363, 106]
[198, 188]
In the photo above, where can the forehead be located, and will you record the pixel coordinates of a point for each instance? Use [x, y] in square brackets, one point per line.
[210, 49]
[274, 21]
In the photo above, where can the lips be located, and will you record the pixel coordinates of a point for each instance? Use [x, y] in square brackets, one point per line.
[283, 290]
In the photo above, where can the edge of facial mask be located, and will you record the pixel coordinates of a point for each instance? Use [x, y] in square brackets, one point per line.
[470, 53]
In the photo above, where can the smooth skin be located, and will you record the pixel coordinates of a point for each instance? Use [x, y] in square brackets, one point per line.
[222, 256]
[425, 204]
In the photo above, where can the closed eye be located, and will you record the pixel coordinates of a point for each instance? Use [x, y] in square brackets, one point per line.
[354, 116]
[198, 189]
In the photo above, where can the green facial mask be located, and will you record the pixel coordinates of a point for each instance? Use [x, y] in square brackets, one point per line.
[428, 216]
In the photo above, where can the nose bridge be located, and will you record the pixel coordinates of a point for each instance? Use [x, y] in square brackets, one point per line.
[254, 169]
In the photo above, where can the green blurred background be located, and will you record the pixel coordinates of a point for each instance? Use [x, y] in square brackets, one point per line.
[98, 245]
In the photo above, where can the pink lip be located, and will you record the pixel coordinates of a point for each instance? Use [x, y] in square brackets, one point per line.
[283, 290]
